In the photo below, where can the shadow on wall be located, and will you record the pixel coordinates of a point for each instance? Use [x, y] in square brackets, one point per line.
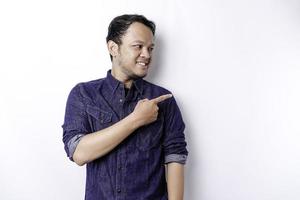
[157, 60]
[157, 65]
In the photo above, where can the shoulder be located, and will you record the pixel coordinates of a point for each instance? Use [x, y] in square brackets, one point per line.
[154, 89]
[90, 84]
[88, 88]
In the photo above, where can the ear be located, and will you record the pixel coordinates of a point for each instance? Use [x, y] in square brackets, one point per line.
[113, 48]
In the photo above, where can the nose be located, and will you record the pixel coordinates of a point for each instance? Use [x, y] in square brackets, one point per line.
[145, 53]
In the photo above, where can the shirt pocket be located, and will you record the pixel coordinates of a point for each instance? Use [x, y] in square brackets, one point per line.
[98, 118]
[149, 136]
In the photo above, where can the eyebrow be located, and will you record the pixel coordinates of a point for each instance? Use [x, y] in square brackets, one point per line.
[139, 41]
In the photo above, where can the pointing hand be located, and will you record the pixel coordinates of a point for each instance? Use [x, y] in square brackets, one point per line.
[146, 111]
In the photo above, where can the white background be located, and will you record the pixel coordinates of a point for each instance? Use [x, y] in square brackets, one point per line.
[233, 66]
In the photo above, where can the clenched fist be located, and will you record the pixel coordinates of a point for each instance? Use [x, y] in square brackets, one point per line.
[146, 111]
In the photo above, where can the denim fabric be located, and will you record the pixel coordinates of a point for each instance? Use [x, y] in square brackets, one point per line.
[135, 169]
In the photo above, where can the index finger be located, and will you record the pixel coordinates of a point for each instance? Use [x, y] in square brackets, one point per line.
[162, 98]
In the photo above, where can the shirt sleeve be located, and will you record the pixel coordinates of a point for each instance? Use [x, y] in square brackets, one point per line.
[75, 122]
[174, 143]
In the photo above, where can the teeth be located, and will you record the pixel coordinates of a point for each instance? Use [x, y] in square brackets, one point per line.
[140, 63]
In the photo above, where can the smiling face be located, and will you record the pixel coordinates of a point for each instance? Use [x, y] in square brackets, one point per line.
[131, 59]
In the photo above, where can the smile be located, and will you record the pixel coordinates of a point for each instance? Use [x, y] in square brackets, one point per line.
[142, 63]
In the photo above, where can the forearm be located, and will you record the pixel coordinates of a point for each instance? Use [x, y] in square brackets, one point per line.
[97, 144]
[175, 181]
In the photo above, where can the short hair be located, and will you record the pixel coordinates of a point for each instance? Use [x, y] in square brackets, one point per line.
[119, 25]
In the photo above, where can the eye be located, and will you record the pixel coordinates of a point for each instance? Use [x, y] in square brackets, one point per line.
[138, 46]
[150, 49]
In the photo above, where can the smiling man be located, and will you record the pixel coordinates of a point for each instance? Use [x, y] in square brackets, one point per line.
[128, 131]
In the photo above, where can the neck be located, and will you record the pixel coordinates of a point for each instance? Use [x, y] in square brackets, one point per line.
[117, 74]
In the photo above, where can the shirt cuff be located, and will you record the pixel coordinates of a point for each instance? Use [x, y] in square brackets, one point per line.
[179, 158]
[72, 144]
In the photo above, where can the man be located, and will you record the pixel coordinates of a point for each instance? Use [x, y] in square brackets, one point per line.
[125, 129]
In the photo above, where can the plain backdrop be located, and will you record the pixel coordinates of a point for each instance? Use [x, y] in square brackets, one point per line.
[233, 66]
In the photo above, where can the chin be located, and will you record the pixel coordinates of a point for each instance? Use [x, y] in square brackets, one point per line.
[139, 75]
[135, 76]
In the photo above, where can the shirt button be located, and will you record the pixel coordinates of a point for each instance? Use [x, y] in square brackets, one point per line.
[121, 100]
[119, 190]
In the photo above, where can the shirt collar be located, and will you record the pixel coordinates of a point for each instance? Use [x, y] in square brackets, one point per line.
[114, 83]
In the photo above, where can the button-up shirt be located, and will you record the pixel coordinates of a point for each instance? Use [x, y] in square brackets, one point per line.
[135, 169]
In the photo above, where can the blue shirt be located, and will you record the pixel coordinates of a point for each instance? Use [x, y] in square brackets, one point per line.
[135, 169]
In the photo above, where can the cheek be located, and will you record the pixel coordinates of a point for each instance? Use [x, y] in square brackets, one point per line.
[130, 56]
[131, 53]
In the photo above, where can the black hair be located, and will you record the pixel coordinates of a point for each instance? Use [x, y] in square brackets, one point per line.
[119, 25]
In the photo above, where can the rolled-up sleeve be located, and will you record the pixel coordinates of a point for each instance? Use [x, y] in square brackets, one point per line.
[75, 124]
[174, 143]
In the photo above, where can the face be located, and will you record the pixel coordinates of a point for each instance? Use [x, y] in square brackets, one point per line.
[133, 56]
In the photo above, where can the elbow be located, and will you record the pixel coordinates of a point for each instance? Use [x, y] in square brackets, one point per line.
[79, 158]
[79, 162]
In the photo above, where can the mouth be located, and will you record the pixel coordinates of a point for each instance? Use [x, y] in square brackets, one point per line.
[142, 64]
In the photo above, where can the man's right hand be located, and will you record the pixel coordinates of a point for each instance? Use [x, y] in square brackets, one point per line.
[99, 143]
[146, 111]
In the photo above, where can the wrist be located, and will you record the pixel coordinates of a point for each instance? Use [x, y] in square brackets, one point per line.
[134, 121]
